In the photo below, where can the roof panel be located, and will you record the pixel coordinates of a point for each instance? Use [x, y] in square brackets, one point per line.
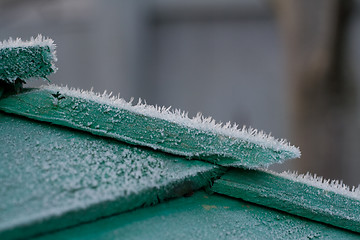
[53, 177]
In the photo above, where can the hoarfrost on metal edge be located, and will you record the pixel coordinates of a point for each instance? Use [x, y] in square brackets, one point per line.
[181, 117]
[37, 41]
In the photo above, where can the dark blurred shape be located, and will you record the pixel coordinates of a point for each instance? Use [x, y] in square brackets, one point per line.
[315, 35]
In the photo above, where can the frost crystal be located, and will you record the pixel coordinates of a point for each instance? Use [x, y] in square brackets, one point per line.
[336, 186]
[48, 172]
[177, 116]
[27, 59]
[38, 41]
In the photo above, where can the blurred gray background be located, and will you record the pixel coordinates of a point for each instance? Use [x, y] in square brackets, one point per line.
[284, 66]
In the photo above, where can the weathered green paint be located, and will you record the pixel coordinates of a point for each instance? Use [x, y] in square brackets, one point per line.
[53, 177]
[293, 197]
[25, 62]
[106, 120]
[203, 216]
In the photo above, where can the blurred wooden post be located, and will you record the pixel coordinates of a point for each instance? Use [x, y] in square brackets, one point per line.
[313, 37]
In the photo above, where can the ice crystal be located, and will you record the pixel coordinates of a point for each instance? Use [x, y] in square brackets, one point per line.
[336, 186]
[177, 116]
[37, 41]
[26, 59]
[48, 172]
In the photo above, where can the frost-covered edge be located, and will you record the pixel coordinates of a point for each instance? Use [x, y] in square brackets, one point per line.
[38, 41]
[193, 172]
[336, 186]
[181, 117]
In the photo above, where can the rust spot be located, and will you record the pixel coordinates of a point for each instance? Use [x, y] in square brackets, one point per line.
[208, 207]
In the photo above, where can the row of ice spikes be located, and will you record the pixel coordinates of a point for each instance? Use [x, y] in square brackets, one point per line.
[181, 117]
[37, 41]
[336, 186]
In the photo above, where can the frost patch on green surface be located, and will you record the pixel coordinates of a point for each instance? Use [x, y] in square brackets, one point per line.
[54, 177]
[38, 41]
[144, 125]
[27, 59]
[181, 117]
[186, 218]
[308, 196]
[336, 186]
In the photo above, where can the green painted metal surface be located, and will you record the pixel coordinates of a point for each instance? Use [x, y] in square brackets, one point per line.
[203, 216]
[107, 119]
[53, 177]
[25, 62]
[290, 196]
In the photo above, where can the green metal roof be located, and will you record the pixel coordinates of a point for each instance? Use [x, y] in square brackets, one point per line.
[97, 172]
[203, 216]
[53, 177]
[60, 183]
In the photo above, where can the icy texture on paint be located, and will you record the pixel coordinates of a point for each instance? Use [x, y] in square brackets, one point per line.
[180, 117]
[203, 216]
[47, 172]
[38, 41]
[26, 59]
[336, 186]
[306, 197]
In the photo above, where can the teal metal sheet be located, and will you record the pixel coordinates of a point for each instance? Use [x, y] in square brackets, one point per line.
[203, 216]
[143, 125]
[53, 177]
[322, 203]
